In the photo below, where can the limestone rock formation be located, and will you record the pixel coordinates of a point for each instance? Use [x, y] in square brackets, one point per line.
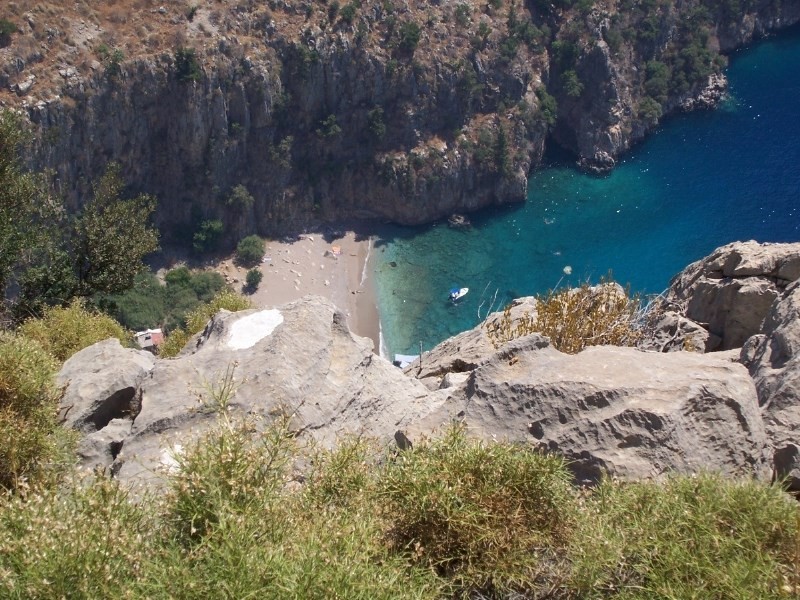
[773, 358]
[102, 383]
[672, 332]
[466, 351]
[401, 110]
[299, 361]
[621, 411]
[730, 291]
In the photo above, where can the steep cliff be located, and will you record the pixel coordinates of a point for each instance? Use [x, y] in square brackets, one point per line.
[405, 111]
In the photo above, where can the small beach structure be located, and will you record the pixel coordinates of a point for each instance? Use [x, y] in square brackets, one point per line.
[149, 338]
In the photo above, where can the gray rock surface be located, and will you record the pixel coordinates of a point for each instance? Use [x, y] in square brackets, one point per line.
[773, 358]
[466, 351]
[672, 332]
[309, 368]
[632, 414]
[102, 383]
[730, 291]
[98, 449]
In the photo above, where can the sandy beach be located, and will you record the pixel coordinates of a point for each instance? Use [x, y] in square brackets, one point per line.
[338, 270]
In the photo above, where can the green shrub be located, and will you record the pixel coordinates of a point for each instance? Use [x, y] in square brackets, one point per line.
[7, 28]
[240, 198]
[475, 511]
[208, 236]
[571, 84]
[548, 108]
[462, 14]
[173, 344]
[33, 442]
[225, 299]
[151, 304]
[64, 331]
[232, 526]
[226, 474]
[187, 67]
[376, 123]
[410, 34]
[328, 127]
[348, 13]
[86, 541]
[253, 280]
[649, 111]
[250, 250]
[688, 537]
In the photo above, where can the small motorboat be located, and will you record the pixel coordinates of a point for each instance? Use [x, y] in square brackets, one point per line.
[458, 293]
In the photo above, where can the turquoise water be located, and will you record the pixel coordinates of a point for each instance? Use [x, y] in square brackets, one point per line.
[703, 180]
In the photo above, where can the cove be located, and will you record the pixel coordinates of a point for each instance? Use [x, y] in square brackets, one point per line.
[701, 181]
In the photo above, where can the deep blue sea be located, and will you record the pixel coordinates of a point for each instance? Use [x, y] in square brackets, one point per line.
[701, 181]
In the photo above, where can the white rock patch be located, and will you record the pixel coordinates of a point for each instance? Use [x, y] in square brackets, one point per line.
[247, 331]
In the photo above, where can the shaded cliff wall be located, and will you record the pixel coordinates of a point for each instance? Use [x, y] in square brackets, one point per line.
[329, 124]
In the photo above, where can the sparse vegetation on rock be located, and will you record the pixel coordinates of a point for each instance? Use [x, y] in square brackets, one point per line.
[575, 318]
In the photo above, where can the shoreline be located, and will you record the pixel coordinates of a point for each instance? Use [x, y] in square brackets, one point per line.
[339, 268]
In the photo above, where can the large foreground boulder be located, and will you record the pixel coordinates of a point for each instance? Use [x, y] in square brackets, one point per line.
[730, 291]
[300, 362]
[102, 383]
[614, 410]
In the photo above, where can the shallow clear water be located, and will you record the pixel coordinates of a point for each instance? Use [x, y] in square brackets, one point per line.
[703, 180]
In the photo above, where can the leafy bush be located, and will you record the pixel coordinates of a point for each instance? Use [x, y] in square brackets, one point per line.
[548, 109]
[576, 318]
[376, 123]
[173, 344]
[208, 236]
[7, 28]
[348, 13]
[474, 511]
[250, 250]
[64, 331]
[328, 127]
[253, 280]
[33, 442]
[447, 519]
[240, 198]
[649, 110]
[151, 304]
[410, 34]
[571, 84]
[187, 67]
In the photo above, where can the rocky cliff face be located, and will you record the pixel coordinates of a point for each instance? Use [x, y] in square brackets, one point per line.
[405, 111]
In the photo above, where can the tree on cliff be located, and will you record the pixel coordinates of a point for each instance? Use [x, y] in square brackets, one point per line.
[98, 251]
[112, 236]
[53, 257]
[22, 200]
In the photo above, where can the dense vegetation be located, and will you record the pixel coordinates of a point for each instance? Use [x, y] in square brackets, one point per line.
[151, 303]
[449, 518]
[51, 257]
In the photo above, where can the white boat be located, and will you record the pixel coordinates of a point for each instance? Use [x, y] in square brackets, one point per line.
[458, 293]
